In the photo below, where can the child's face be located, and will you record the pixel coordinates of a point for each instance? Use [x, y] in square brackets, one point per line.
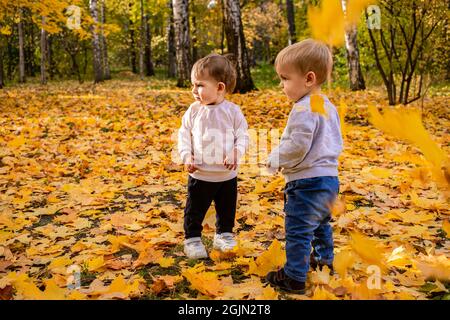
[207, 90]
[295, 85]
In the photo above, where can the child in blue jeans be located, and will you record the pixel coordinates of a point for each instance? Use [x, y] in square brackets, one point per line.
[308, 158]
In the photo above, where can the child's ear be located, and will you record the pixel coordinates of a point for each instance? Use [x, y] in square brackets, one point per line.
[221, 86]
[310, 79]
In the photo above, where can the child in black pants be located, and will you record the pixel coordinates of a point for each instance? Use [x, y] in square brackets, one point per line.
[212, 138]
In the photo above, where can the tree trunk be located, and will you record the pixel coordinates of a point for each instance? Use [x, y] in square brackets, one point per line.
[43, 53]
[85, 58]
[11, 56]
[291, 21]
[97, 54]
[148, 49]
[2, 81]
[354, 67]
[141, 43]
[29, 56]
[222, 31]
[236, 45]
[104, 48]
[172, 59]
[132, 49]
[51, 62]
[21, 50]
[194, 34]
[182, 41]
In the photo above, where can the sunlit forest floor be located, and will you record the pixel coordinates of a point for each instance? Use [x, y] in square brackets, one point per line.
[91, 201]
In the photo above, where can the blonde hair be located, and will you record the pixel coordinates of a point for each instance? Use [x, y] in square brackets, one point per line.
[307, 55]
[217, 67]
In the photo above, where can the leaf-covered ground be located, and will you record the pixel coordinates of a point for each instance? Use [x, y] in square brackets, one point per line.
[90, 196]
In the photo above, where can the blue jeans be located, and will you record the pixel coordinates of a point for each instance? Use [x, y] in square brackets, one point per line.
[307, 207]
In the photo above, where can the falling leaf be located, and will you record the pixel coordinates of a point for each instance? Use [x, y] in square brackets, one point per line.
[367, 248]
[342, 261]
[434, 267]
[318, 104]
[446, 227]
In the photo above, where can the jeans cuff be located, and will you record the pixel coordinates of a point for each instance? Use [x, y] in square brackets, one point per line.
[290, 275]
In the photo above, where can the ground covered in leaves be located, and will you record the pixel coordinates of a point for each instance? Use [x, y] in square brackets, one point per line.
[91, 202]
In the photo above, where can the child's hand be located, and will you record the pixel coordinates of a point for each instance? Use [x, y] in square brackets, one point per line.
[189, 166]
[230, 162]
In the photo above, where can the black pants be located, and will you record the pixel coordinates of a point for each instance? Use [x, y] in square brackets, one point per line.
[200, 195]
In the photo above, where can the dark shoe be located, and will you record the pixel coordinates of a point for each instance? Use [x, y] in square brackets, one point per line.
[314, 264]
[281, 280]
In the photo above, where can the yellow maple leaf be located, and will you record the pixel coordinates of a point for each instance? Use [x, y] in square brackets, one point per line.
[327, 22]
[204, 282]
[342, 261]
[268, 293]
[269, 260]
[399, 258]
[318, 104]
[59, 263]
[95, 263]
[368, 249]
[120, 285]
[342, 111]
[323, 294]
[17, 142]
[446, 227]
[434, 267]
[407, 125]
[147, 255]
[354, 10]
[166, 262]
[52, 291]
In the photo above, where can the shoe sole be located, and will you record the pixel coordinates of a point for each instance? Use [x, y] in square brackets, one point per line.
[220, 249]
[200, 257]
[276, 286]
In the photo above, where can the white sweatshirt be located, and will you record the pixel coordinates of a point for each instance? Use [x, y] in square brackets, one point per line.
[209, 133]
[311, 143]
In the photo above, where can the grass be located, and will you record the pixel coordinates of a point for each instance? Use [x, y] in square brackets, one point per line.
[264, 76]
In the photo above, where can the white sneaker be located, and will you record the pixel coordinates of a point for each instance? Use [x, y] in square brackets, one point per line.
[194, 248]
[224, 241]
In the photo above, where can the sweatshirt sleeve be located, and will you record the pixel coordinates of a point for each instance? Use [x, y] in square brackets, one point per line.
[185, 137]
[242, 138]
[296, 140]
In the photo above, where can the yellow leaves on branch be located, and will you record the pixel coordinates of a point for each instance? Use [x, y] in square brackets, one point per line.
[407, 125]
[270, 260]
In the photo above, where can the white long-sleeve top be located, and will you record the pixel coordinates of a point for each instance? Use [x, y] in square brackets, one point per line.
[311, 142]
[209, 133]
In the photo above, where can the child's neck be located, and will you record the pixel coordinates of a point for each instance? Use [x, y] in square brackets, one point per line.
[314, 90]
[218, 101]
